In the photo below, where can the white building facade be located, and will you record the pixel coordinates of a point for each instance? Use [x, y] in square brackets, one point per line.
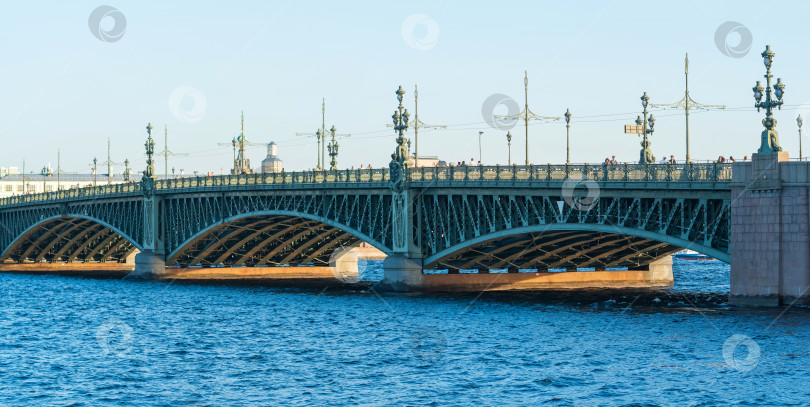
[272, 163]
[19, 184]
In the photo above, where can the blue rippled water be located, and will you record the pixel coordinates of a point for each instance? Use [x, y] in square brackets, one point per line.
[77, 341]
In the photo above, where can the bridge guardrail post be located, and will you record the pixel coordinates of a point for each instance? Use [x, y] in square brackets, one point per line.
[548, 172]
[626, 172]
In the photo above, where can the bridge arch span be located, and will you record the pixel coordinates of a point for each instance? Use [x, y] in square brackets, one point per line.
[564, 245]
[267, 238]
[70, 237]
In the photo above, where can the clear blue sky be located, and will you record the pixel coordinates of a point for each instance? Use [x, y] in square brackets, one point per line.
[64, 88]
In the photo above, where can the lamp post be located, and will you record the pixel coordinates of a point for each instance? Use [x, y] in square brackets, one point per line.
[318, 136]
[799, 123]
[58, 170]
[770, 137]
[480, 158]
[400, 118]
[233, 143]
[126, 169]
[509, 146]
[567, 127]
[333, 150]
[646, 155]
[95, 177]
[149, 174]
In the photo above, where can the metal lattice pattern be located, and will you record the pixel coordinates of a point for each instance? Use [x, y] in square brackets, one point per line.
[504, 218]
[190, 220]
[51, 232]
[69, 239]
[557, 250]
[265, 241]
[482, 229]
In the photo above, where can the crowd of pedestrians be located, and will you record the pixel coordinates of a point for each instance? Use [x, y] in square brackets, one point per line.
[671, 160]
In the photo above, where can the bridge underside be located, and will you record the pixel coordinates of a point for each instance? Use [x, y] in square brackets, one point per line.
[266, 240]
[69, 239]
[557, 250]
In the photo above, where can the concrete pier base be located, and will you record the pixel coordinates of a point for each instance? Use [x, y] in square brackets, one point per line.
[111, 269]
[299, 276]
[542, 281]
[343, 262]
[770, 231]
[401, 274]
[148, 266]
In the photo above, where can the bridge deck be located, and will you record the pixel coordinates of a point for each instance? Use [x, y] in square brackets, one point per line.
[715, 176]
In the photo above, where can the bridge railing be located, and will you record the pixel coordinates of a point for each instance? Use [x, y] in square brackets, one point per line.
[99, 190]
[280, 178]
[711, 172]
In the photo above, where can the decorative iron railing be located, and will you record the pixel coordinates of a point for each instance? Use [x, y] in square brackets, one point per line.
[658, 173]
[712, 172]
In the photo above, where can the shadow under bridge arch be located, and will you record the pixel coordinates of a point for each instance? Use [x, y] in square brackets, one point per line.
[568, 246]
[268, 238]
[70, 238]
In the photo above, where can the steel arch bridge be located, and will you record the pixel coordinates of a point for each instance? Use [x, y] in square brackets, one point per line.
[519, 217]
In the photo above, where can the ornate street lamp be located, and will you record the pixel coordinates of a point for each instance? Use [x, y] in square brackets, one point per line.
[770, 137]
[399, 160]
[126, 170]
[149, 174]
[318, 137]
[333, 150]
[95, 163]
[95, 172]
[646, 154]
[799, 123]
[480, 156]
[567, 127]
[233, 142]
[509, 143]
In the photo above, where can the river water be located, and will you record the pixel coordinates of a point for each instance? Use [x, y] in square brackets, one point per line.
[78, 341]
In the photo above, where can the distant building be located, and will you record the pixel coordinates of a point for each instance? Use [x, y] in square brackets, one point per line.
[9, 171]
[424, 161]
[272, 163]
[17, 184]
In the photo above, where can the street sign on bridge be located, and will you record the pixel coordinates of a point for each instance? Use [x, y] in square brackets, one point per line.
[633, 129]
